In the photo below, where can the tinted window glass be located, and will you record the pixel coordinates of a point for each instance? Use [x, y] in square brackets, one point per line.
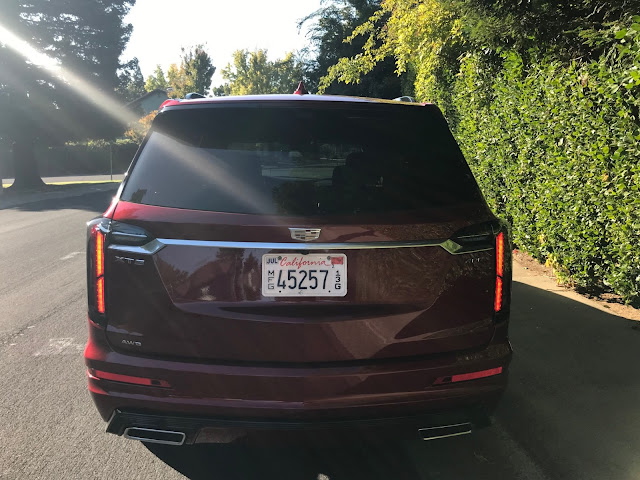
[301, 161]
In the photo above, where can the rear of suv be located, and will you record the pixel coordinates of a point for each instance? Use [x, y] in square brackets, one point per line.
[296, 262]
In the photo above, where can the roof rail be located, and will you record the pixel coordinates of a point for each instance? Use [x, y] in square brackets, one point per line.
[404, 98]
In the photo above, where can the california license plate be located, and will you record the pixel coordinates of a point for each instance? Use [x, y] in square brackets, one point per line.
[296, 275]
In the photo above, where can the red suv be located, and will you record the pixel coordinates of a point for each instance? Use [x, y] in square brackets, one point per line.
[297, 262]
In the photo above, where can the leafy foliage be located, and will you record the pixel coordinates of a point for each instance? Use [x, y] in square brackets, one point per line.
[544, 100]
[253, 73]
[424, 38]
[130, 81]
[556, 152]
[156, 81]
[193, 74]
[139, 130]
[543, 25]
[329, 27]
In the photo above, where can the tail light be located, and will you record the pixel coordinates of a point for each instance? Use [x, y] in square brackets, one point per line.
[99, 261]
[497, 303]
[102, 233]
[96, 286]
[488, 236]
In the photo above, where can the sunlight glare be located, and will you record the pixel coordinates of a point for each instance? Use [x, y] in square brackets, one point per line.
[80, 86]
[200, 161]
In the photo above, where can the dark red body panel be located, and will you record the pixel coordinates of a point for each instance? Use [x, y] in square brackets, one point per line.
[206, 303]
[312, 392]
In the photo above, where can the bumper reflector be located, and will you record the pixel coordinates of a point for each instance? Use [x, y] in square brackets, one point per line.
[114, 377]
[463, 377]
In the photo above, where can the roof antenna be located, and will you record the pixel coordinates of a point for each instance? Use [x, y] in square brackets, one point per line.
[301, 90]
[193, 95]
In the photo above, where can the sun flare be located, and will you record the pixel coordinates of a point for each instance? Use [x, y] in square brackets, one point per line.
[81, 87]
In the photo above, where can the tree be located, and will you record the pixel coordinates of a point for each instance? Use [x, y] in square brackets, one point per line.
[329, 27]
[253, 73]
[156, 81]
[198, 69]
[424, 37]
[193, 74]
[43, 97]
[546, 26]
[427, 38]
[177, 81]
[131, 83]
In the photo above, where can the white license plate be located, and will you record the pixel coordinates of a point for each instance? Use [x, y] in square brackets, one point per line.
[311, 275]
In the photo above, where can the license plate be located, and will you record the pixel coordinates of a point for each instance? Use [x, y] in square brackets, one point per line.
[296, 275]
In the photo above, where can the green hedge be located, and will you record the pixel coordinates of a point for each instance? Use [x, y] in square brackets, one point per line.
[91, 158]
[555, 148]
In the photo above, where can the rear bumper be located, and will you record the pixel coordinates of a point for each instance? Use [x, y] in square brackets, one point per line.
[220, 430]
[249, 397]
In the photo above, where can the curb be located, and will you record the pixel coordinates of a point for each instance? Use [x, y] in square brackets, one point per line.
[75, 190]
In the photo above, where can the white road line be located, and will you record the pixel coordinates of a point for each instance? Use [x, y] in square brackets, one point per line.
[70, 256]
[60, 346]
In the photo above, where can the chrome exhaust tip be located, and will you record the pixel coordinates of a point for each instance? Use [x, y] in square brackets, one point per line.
[150, 435]
[445, 431]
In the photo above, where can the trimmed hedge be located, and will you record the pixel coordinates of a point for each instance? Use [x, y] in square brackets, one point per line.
[86, 159]
[92, 158]
[555, 149]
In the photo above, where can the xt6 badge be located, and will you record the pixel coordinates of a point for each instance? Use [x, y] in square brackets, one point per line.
[130, 261]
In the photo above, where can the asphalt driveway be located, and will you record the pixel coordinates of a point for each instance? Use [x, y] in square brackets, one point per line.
[570, 412]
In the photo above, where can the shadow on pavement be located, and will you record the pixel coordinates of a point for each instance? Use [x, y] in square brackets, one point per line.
[574, 385]
[570, 411]
[368, 460]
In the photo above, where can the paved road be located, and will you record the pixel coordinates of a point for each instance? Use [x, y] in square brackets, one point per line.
[73, 179]
[572, 409]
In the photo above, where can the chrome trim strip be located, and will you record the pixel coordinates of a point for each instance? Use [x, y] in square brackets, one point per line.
[426, 436]
[154, 246]
[447, 436]
[181, 435]
[449, 245]
[135, 236]
[463, 424]
[158, 244]
[457, 249]
[299, 246]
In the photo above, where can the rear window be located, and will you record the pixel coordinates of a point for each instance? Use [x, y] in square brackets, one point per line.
[301, 161]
